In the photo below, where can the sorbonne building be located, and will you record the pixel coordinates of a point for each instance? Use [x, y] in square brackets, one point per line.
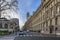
[46, 19]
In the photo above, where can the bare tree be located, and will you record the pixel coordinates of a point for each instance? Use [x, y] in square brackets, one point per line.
[4, 5]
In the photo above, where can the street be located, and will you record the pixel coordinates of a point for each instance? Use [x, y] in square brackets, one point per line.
[29, 36]
[8, 37]
[36, 38]
[29, 19]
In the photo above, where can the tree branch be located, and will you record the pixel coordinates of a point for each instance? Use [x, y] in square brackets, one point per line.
[4, 9]
[5, 5]
[2, 2]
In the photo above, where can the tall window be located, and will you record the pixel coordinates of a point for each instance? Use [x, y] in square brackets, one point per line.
[0, 25]
[46, 26]
[51, 11]
[56, 21]
[58, 9]
[55, 10]
[47, 14]
[50, 22]
[6, 25]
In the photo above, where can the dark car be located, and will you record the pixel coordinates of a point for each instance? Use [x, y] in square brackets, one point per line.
[22, 33]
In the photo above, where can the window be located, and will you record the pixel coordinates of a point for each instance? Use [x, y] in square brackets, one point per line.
[51, 11]
[58, 9]
[11, 27]
[44, 0]
[56, 21]
[43, 25]
[46, 26]
[41, 18]
[6, 25]
[0, 25]
[47, 14]
[50, 22]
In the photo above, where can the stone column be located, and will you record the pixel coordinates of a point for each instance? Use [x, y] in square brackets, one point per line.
[8, 27]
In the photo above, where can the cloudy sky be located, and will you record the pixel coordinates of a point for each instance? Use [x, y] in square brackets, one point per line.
[27, 6]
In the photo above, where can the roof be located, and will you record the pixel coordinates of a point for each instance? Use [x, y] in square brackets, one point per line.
[4, 19]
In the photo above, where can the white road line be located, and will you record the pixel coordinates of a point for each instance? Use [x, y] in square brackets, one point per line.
[30, 35]
[8, 37]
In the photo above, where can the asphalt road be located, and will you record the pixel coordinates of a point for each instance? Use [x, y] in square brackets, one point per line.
[8, 37]
[22, 37]
[29, 36]
[36, 36]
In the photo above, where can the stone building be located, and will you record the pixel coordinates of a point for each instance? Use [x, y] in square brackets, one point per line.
[46, 19]
[7, 25]
[16, 20]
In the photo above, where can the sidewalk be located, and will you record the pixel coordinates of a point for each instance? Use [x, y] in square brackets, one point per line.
[46, 35]
[50, 35]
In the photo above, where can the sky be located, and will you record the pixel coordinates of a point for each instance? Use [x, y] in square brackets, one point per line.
[25, 6]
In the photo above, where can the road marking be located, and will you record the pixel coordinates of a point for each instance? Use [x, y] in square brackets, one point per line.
[30, 35]
[11, 37]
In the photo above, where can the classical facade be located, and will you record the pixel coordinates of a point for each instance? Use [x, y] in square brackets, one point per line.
[46, 19]
[7, 25]
[16, 20]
